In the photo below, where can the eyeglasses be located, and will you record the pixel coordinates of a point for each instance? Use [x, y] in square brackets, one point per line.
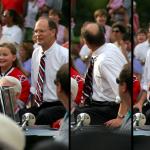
[117, 80]
[115, 31]
[56, 82]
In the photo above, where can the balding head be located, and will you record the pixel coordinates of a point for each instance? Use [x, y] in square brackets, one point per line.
[93, 35]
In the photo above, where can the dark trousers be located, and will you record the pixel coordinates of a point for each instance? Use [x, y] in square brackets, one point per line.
[146, 112]
[47, 113]
[99, 112]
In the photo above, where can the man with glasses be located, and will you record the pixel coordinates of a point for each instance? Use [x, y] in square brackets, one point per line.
[125, 90]
[47, 58]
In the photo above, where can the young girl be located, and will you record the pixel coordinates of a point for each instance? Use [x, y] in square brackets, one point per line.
[9, 65]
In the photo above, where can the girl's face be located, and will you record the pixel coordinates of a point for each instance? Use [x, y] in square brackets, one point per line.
[6, 58]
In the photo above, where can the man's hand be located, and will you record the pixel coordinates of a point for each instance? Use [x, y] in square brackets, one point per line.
[114, 123]
[139, 106]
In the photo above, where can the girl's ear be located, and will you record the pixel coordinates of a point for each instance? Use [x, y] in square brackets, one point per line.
[14, 57]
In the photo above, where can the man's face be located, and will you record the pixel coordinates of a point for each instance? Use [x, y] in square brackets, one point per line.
[43, 34]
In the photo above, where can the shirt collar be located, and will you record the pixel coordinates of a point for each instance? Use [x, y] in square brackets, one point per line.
[50, 48]
[99, 50]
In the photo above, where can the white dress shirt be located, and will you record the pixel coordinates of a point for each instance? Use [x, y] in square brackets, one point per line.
[56, 56]
[107, 67]
[146, 75]
[140, 51]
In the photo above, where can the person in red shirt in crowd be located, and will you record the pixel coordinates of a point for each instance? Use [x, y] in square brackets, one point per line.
[9, 66]
[75, 74]
[136, 89]
[17, 5]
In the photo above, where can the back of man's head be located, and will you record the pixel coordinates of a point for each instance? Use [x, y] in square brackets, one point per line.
[62, 76]
[93, 34]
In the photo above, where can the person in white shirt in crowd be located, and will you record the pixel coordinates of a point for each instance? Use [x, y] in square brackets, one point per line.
[145, 90]
[108, 61]
[62, 34]
[11, 31]
[140, 50]
[55, 56]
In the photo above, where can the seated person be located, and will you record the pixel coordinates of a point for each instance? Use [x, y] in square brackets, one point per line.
[63, 92]
[15, 83]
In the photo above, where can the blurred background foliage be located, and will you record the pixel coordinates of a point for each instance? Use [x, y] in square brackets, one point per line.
[143, 10]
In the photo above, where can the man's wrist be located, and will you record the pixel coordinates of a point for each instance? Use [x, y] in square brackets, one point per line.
[120, 116]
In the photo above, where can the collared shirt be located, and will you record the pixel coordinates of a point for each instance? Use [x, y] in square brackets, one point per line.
[146, 75]
[107, 67]
[56, 56]
[140, 51]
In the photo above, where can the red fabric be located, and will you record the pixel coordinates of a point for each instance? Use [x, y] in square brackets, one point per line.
[136, 89]
[24, 82]
[13, 4]
[79, 79]
[56, 124]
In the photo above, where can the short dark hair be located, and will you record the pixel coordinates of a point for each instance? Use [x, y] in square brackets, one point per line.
[63, 77]
[120, 26]
[97, 39]
[100, 12]
[126, 76]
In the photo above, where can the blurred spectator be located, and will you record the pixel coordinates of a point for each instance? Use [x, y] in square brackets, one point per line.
[141, 36]
[100, 16]
[12, 31]
[113, 5]
[30, 19]
[55, 4]
[25, 54]
[62, 34]
[11, 135]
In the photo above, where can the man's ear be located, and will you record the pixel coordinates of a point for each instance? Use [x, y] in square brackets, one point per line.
[59, 88]
[124, 87]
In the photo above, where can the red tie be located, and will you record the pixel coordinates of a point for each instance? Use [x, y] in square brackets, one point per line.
[41, 77]
[88, 85]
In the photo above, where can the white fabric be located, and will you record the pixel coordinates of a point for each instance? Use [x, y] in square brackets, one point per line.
[146, 75]
[56, 56]
[85, 51]
[74, 89]
[12, 34]
[107, 67]
[140, 51]
[11, 134]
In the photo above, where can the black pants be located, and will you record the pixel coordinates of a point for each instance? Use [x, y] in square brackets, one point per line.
[99, 112]
[146, 112]
[47, 113]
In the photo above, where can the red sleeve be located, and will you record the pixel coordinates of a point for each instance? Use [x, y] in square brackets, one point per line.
[136, 90]
[24, 82]
[79, 79]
